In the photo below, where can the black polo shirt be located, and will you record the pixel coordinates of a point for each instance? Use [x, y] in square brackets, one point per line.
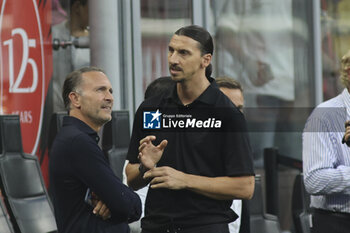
[76, 164]
[194, 149]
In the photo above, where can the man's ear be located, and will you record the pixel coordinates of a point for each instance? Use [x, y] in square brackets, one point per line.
[206, 59]
[74, 99]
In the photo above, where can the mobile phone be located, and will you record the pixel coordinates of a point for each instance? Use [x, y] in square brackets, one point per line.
[88, 197]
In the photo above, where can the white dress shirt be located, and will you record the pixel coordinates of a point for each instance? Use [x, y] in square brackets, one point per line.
[326, 161]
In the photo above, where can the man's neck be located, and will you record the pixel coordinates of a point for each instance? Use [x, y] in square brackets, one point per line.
[190, 90]
[77, 114]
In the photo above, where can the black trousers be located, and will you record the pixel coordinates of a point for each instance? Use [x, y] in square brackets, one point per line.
[213, 228]
[324, 221]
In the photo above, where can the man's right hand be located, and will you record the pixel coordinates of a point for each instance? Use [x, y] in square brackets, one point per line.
[149, 154]
[347, 133]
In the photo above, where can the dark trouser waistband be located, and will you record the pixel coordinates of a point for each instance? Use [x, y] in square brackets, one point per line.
[342, 215]
[324, 221]
[212, 228]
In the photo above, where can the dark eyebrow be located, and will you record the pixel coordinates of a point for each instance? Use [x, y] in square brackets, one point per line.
[101, 87]
[184, 51]
[105, 88]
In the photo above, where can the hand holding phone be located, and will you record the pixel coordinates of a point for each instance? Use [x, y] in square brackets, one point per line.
[99, 208]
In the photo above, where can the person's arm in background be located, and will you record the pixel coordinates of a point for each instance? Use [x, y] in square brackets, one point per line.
[321, 152]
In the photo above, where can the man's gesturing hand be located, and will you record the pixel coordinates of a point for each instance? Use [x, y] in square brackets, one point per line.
[149, 154]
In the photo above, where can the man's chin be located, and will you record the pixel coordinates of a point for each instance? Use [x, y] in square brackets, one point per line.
[105, 119]
[177, 78]
[109, 118]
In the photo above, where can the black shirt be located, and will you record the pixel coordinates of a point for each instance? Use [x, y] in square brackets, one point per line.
[210, 152]
[76, 164]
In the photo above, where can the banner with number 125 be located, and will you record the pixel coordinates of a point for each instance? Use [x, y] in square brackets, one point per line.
[25, 64]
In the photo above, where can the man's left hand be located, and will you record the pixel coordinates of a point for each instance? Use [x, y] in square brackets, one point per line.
[166, 177]
[100, 208]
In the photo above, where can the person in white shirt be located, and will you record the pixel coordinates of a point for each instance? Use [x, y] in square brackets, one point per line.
[326, 160]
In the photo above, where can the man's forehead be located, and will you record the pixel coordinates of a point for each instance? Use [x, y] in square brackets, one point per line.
[95, 77]
[183, 41]
[93, 73]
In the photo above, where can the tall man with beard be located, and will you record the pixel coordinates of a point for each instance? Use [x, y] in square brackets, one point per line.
[193, 173]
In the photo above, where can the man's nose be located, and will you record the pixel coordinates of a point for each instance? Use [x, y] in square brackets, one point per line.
[109, 96]
[173, 58]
